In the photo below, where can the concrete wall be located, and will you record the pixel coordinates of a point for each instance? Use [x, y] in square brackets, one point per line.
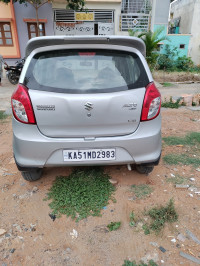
[194, 47]
[23, 11]
[185, 10]
[7, 15]
[174, 41]
[161, 11]
[189, 11]
[5, 11]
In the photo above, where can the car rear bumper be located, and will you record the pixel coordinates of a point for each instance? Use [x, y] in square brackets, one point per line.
[32, 149]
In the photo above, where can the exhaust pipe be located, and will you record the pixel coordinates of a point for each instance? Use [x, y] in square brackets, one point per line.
[129, 167]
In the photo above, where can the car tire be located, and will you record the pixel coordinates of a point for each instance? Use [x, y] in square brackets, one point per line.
[32, 175]
[143, 169]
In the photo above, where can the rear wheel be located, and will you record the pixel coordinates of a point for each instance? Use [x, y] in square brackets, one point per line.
[32, 175]
[143, 169]
[13, 78]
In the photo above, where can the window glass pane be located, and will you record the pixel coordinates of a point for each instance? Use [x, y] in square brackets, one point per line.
[0, 34]
[9, 41]
[41, 34]
[33, 34]
[8, 34]
[1, 41]
[6, 27]
[32, 28]
[40, 27]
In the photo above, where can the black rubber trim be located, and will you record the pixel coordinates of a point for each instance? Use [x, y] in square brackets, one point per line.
[24, 168]
[152, 163]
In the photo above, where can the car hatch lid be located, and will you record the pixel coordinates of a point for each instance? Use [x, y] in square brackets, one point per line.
[38, 42]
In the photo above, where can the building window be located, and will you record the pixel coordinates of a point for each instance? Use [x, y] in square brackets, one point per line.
[33, 31]
[5, 34]
[182, 46]
[136, 6]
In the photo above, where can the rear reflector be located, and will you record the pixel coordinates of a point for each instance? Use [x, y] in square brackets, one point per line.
[21, 105]
[152, 103]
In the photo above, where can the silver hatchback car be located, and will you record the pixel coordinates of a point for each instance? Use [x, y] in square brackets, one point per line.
[85, 101]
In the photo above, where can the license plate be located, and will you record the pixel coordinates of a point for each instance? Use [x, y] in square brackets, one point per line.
[89, 155]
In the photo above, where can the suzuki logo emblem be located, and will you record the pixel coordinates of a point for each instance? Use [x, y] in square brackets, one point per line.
[88, 106]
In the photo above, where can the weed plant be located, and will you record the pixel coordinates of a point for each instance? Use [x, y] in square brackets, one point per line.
[171, 104]
[161, 215]
[171, 61]
[83, 193]
[146, 229]
[3, 115]
[132, 219]
[133, 263]
[113, 226]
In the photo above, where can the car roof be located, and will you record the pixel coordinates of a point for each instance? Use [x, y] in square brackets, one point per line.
[38, 42]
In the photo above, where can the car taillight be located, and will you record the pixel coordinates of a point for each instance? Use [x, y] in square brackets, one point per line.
[21, 105]
[152, 103]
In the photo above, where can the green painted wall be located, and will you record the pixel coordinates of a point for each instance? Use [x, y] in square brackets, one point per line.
[174, 41]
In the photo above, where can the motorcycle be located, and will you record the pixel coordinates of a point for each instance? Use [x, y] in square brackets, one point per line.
[13, 72]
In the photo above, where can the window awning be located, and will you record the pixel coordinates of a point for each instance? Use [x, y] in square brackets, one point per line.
[34, 20]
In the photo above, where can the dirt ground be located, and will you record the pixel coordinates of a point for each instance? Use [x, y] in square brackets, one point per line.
[164, 76]
[33, 238]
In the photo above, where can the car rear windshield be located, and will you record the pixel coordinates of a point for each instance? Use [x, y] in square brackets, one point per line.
[85, 71]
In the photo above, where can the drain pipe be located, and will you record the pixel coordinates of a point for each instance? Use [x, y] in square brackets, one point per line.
[129, 167]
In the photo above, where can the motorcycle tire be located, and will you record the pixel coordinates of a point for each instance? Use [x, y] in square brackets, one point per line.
[13, 78]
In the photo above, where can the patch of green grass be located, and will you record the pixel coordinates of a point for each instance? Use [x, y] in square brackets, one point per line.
[129, 263]
[190, 139]
[113, 226]
[174, 159]
[177, 180]
[83, 193]
[141, 191]
[3, 115]
[161, 215]
[133, 263]
[167, 84]
[152, 263]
